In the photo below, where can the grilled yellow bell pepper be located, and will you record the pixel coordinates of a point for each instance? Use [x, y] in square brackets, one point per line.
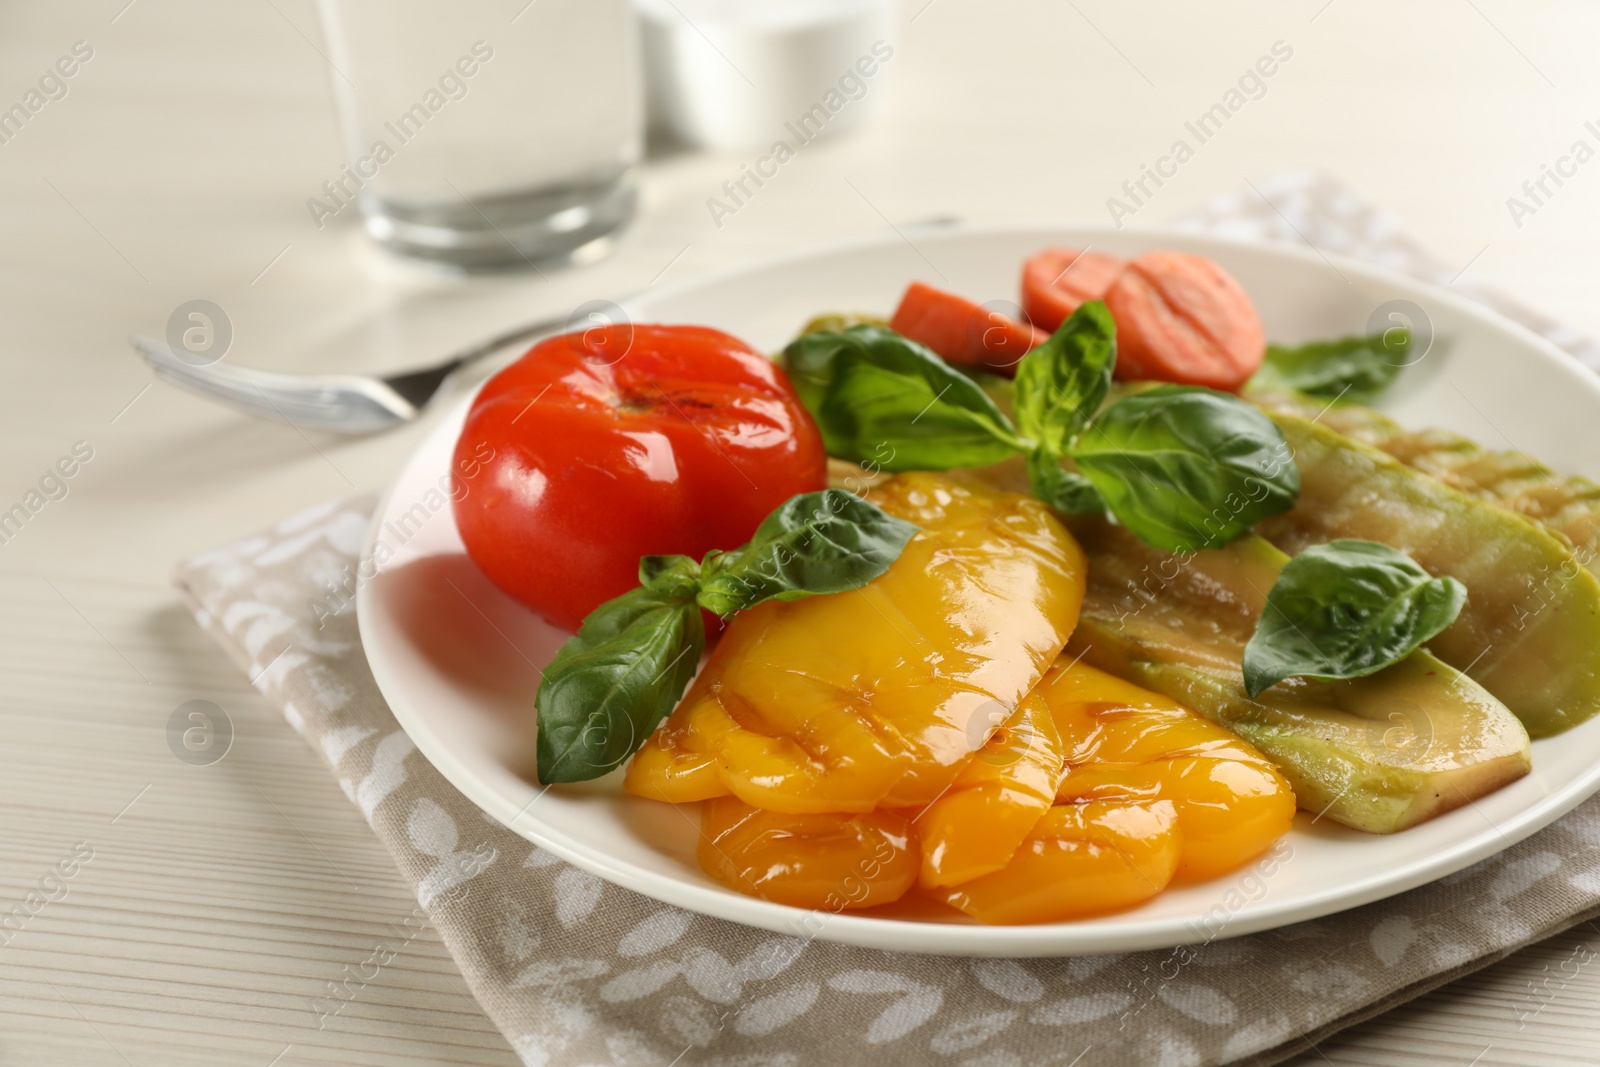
[976, 825]
[1146, 792]
[1152, 793]
[879, 697]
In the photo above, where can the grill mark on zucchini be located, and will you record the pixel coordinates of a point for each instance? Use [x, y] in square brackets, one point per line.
[1568, 506]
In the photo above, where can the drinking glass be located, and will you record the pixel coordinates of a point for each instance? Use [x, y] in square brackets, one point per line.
[485, 133]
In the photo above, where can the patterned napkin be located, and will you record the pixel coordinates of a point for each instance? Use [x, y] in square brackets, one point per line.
[575, 971]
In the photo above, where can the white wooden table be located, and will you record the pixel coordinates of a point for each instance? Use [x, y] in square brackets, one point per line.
[178, 165]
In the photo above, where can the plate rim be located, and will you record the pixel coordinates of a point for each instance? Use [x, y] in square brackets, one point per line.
[923, 938]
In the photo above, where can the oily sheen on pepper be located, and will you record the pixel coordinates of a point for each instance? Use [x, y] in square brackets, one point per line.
[878, 697]
[1147, 793]
[1150, 792]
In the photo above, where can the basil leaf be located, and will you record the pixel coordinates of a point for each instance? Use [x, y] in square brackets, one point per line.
[823, 542]
[1063, 382]
[1350, 368]
[1187, 468]
[1067, 492]
[1345, 610]
[868, 387]
[613, 683]
[677, 575]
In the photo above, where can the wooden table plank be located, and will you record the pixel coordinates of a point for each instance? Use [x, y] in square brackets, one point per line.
[178, 166]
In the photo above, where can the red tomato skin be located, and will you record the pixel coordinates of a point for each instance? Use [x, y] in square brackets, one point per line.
[962, 332]
[1057, 280]
[681, 444]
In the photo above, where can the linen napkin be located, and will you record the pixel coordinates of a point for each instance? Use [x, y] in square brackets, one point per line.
[576, 971]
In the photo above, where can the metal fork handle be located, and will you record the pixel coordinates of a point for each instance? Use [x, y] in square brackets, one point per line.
[343, 403]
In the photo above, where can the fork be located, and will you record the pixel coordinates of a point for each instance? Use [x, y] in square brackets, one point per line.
[344, 403]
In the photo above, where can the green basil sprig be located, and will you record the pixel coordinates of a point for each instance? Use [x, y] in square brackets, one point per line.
[1062, 383]
[1346, 609]
[1187, 468]
[614, 681]
[1355, 369]
[867, 385]
[1184, 468]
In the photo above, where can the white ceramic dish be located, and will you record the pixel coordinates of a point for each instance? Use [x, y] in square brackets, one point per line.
[456, 658]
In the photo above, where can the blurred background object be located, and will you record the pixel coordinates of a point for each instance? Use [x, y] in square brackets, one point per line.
[535, 161]
[741, 73]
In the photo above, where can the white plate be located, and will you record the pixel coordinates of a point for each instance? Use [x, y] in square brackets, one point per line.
[455, 658]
